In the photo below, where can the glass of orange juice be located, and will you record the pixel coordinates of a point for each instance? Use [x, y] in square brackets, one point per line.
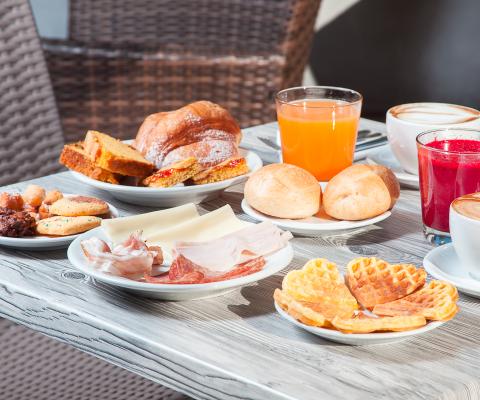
[318, 128]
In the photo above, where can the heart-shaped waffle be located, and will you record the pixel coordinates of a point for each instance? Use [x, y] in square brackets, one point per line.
[365, 324]
[374, 281]
[320, 283]
[305, 312]
[435, 301]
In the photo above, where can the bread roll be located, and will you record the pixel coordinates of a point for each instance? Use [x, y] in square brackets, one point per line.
[283, 191]
[361, 192]
[203, 130]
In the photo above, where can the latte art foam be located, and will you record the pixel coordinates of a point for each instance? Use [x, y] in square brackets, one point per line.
[468, 206]
[434, 113]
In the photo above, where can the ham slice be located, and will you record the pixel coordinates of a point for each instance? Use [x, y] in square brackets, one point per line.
[183, 271]
[130, 259]
[220, 256]
[232, 256]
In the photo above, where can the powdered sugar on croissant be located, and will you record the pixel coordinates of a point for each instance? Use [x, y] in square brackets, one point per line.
[131, 258]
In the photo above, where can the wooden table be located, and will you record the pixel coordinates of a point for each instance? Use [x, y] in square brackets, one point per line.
[236, 346]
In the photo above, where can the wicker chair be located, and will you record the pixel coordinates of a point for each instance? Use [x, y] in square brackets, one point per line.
[34, 366]
[126, 59]
[30, 132]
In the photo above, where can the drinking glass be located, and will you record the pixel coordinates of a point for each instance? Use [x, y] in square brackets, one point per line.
[449, 167]
[318, 128]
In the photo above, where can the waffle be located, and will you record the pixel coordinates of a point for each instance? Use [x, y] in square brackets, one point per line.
[435, 301]
[307, 313]
[364, 324]
[320, 282]
[373, 281]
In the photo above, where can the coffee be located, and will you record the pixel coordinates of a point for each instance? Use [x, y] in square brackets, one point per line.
[434, 113]
[468, 205]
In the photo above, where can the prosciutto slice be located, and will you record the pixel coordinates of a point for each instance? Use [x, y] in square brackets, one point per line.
[183, 271]
[238, 254]
[130, 259]
[221, 255]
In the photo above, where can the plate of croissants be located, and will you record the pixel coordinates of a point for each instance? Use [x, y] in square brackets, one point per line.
[186, 155]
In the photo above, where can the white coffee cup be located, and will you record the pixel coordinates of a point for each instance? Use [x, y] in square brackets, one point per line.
[405, 122]
[465, 231]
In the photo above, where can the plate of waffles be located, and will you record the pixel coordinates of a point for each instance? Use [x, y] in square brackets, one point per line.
[374, 303]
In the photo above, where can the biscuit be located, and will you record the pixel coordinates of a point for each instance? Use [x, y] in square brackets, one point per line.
[76, 206]
[63, 226]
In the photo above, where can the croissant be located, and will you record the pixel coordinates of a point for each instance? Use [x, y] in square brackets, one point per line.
[203, 130]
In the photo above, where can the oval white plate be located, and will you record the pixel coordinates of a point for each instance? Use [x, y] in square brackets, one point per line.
[443, 263]
[384, 156]
[313, 226]
[359, 339]
[275, 263]
[173, 196]
[45, 242]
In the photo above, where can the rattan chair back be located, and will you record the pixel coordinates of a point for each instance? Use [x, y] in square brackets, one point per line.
[30, 131]
[126, 59]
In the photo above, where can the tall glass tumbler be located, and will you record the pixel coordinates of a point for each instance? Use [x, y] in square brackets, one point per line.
[449, 167]
[318, 128]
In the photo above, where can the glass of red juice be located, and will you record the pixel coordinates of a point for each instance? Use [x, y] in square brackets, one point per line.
[449, 167]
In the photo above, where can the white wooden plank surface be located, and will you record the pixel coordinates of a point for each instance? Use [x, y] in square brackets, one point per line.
[236, 346]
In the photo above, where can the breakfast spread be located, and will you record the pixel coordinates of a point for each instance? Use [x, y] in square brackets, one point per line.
[194, 145]
[357, 193]
[40, 212]
[317, 295]
[209, 248]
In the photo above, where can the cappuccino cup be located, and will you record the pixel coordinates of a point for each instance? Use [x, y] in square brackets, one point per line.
[405, 122]
[465, 231]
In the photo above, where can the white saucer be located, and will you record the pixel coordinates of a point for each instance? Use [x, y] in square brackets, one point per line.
[45, 242]
[172, 196]
[176, 292]
[313, 226]
[443, 263]
[359, 339]
[384, 156]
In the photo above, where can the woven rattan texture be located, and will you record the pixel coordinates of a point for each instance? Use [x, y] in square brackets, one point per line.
[34, 366]
[30, 132]
[125, 60]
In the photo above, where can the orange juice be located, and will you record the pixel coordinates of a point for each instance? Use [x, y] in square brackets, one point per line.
[319, 135]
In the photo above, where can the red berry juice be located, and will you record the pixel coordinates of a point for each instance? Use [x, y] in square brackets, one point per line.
[447, 169]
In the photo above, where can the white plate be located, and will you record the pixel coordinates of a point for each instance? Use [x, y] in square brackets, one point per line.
[45, 242]
[173, 196]
[359, 339]
[313, 226]
[443, 263]
[384, 156]
[176, 292]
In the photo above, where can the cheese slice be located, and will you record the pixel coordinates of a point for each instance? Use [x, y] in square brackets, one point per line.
[118, 229]
[210, 226]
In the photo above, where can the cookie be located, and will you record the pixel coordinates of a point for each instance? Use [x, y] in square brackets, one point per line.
[63, 226]
[76, 206]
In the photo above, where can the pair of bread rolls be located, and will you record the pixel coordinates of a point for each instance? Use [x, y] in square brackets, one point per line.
[358, 192]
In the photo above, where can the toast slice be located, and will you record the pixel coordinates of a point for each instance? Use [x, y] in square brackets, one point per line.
[74, 157]
[115, 156]
[173, 174]
[230, 168]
